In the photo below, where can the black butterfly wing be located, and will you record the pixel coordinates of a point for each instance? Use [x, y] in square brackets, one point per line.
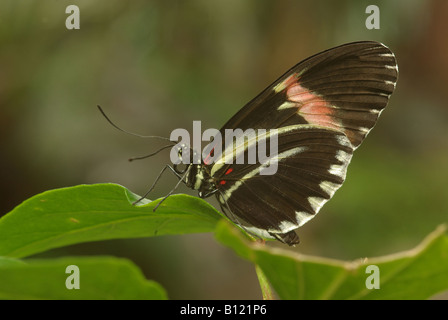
[344, 88]
[323, 108]
[311, 165]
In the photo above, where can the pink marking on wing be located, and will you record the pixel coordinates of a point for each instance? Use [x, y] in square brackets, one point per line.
[313, 108]
[297, 93]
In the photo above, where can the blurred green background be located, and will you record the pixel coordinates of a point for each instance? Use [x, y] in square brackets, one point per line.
[158, 65]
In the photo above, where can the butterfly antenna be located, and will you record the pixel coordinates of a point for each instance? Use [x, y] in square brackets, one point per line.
[127, 132]
[152, 154]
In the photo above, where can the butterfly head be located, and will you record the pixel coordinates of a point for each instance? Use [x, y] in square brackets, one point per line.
[185, 158]
[196, 176]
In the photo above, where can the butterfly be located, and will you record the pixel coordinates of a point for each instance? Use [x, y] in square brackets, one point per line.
[322, 110]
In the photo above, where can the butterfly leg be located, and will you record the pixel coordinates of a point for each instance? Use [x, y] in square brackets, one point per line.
[155, 182]
[181, 179]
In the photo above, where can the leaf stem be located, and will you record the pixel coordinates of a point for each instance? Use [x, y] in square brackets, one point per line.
[266, 289]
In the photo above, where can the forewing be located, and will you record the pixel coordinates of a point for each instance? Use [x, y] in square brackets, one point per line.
[344, 88]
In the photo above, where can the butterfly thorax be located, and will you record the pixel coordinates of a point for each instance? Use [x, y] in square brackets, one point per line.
[199, 179]
[196, 176]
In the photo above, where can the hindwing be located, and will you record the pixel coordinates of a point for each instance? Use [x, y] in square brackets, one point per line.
[311, 165]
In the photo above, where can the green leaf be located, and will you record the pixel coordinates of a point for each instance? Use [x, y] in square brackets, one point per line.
[97, 212]
[99, 278]
[5, 261]
[416, 274]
